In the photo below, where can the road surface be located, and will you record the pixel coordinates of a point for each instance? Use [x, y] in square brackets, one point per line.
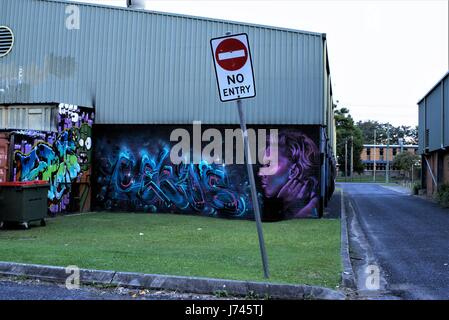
[16, 289]
[408, 236]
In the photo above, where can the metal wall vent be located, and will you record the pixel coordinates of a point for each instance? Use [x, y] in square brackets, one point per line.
[6, 40]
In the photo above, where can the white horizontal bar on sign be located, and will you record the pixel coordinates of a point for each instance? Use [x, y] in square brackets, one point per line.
[231, 54]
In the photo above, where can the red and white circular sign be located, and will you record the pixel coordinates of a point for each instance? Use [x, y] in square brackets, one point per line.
[231, 54]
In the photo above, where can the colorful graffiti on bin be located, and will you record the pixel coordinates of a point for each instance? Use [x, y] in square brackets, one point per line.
[60, 158]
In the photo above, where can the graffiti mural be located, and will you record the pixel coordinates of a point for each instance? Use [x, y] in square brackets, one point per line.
[144, 179]
[62, 158]
[133, 172]
[295, 181]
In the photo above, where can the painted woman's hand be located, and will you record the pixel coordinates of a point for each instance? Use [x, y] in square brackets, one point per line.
[295, 190]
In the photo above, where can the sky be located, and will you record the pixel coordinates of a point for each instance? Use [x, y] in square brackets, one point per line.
[384, 55]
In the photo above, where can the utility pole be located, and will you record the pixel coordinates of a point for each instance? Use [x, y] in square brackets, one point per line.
[374, 157]
[346, 159]
[387, 174]
[401, 143]
[352, 157]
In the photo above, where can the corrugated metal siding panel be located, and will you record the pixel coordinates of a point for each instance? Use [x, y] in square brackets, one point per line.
[39, 117]
[422, 126]
[446, 112]
[3, 117]
[142, 67]
[433, 118]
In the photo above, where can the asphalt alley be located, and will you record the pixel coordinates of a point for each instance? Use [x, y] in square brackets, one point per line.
[408, 236]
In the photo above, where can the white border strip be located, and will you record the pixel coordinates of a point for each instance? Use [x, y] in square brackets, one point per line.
[12, 44]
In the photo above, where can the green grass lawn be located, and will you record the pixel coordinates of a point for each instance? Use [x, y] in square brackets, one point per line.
[299, 251]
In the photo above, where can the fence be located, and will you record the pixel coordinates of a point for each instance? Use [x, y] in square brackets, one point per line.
[405, 178]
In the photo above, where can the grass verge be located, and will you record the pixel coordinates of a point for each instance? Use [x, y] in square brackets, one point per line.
[299, 251]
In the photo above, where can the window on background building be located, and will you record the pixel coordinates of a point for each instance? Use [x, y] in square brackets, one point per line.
[395, 151]
[381, 153]
[368, 153]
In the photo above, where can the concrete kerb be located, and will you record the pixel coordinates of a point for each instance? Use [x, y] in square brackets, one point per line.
[174, 283]
[347, 276]
[52, 273]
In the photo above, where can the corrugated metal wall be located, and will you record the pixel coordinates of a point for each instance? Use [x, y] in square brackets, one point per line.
[421, 126]
[446, 110]
[434, 117]
[34, 117]
[143, 67]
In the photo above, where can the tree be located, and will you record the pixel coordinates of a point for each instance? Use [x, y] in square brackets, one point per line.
[414, 135]
[409, 134]
[347, 131]
[405, 160]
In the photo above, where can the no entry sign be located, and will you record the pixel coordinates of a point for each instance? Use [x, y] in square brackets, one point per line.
[231, 54]
[233, 67]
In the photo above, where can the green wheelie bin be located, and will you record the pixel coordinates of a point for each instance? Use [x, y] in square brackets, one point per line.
[23, 202]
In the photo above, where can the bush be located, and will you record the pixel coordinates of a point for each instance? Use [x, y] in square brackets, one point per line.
[416, 187]
[443, 195]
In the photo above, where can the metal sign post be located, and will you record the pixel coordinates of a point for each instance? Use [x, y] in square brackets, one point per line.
[235, 81]
[252, 183]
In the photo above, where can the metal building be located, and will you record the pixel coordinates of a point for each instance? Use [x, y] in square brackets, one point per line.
[434, 135]
[127, 67]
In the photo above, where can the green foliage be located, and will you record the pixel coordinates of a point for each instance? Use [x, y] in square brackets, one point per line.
[442, 195]
[409, 134]
[416, 187]
[405, 160]
[251, 295]
[221, 293]
[348, 132]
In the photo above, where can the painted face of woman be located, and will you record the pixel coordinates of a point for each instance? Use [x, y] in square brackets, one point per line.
[281, 173]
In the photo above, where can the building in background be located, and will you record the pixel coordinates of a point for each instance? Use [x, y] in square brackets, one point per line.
[377, 154]
[434, 135]
[90, 94]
